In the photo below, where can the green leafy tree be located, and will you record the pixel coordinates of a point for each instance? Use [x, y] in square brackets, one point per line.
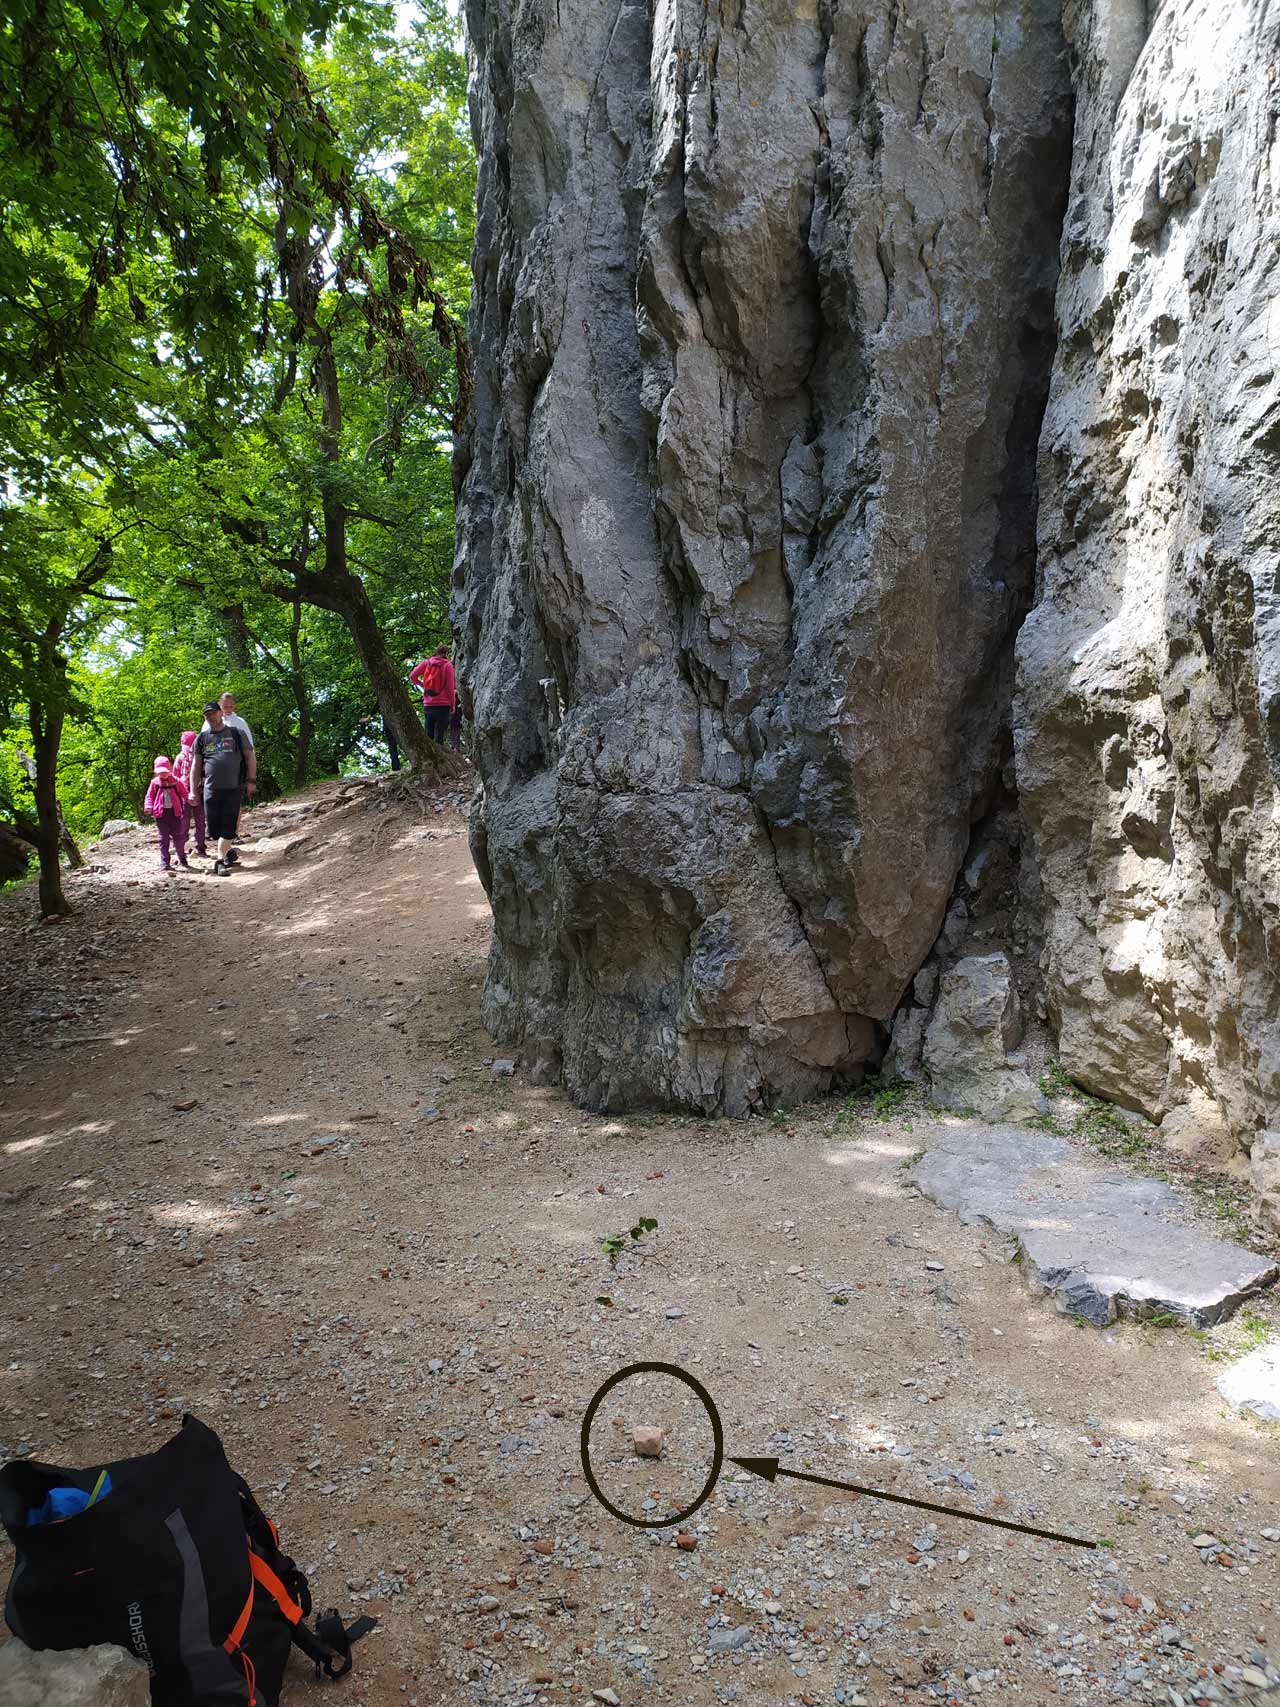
[54, 559]
[233, 259]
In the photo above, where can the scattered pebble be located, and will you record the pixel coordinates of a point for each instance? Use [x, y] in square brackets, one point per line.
[648, 1441]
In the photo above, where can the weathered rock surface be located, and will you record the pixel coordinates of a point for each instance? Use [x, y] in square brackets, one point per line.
[968, 1047]
[81, 1677]
[1148, 706]
[1264, 1173]
[747, 522]
[1253, 1384]
[762, 326]
[1105, 1242]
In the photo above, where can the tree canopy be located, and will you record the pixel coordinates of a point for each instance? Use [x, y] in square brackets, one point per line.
[234, 266]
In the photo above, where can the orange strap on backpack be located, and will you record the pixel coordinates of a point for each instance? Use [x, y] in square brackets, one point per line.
[263, 1573]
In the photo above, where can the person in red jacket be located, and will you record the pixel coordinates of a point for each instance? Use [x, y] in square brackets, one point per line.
[434, 675]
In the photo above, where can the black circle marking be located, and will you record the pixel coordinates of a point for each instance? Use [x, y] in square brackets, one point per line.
[717, 1436]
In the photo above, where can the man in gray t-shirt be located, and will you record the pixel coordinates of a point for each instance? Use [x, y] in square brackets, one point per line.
[216, 761]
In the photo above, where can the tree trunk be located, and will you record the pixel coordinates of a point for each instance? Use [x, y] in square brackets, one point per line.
[46, 729]
[68, 844]
[352, 602]
[398, 709]
[236, 633]
[334, 587]
[75, 859]
[298, 682]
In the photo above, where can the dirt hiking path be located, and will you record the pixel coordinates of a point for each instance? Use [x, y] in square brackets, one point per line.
[374, 1265]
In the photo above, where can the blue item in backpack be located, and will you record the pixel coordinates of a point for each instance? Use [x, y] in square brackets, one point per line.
[68, 1502]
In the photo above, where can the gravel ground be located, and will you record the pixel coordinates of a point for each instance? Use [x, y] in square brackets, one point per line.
[374, 1264]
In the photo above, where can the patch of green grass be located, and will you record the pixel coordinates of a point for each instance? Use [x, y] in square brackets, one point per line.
[1055, 1083]
[872, 1097]
[1229, 1203]
[1254, 1330]
[1106, 1129]
[1165, 1319]
[1230, 1340]
[888, 1100]
[909, 1162]
[1045, 1123]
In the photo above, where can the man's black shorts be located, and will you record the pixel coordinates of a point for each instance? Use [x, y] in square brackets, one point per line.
[221, 811]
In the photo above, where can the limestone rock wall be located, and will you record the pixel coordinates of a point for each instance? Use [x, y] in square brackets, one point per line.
[763, 323]
[1148, 705]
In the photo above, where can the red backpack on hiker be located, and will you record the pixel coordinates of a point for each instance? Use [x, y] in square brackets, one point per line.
[432, 678]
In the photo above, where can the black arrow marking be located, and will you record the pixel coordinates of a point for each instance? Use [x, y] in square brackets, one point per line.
[770, 1469]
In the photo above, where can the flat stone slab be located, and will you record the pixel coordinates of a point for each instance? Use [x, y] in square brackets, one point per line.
[1253, 1384]
[1105, 1241]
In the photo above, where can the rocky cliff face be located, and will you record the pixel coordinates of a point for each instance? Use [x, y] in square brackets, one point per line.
[763, 325]
[1148, 706]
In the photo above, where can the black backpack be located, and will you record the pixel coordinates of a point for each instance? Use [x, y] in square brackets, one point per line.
[175, 1563]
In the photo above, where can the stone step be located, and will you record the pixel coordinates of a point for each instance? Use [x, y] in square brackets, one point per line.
[1105, 1241]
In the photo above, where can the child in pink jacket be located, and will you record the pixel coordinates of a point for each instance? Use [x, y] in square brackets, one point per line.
[195, 807]
[167, 801]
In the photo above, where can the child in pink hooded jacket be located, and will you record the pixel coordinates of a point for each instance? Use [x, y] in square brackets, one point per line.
[195, 807]
[167, 801]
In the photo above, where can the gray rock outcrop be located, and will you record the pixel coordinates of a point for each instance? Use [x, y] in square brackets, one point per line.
[971, 1038]
[80, 1677]
[762, 328]
[1148, 704]
[755, 498]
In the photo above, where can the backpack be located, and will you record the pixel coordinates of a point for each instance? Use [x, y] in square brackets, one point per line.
[170, 1557]
[433, 678]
